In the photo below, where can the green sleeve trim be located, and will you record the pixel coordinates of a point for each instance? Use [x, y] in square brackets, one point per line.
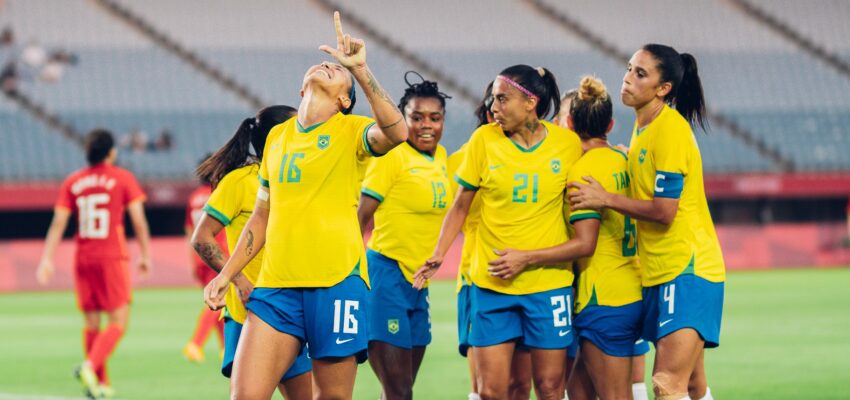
[218, 215]
[366, 141]
[373, 194]
[465, 184]
[263, 181]
[585, 215]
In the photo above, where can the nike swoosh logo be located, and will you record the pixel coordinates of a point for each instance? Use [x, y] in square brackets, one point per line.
[492, 167]
[664, 322]
[343, 341]
[564, 333]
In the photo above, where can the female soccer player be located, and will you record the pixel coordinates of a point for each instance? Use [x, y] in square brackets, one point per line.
[608, 294]
[312, 286]
[233, 170]
[682, 267]
[518, 166]
[407, 192]
[99, 195]
[519, 386]
[208, 319]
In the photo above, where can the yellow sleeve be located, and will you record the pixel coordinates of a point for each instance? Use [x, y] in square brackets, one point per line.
[453, 164]
[575, 175]
[360, 125]
[469, 173]
[671, 153]
[380, 176]
[225, 202]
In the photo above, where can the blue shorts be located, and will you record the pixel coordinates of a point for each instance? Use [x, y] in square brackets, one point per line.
[613, 330]
[464, 319]
[572, 350]
[233, 329]
[400, 314]
[640, 348]
[537, 321]
[685, 302]
[333, 321]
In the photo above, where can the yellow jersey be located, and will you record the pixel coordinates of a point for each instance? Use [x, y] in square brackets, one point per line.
[610, 277]
[664, 161]
[313, 174]
[232, 203]
[413, 189]
[469, 226]
[522, 203]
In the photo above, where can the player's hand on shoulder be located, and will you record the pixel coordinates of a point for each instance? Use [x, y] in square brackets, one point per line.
[425, 272]
[589, 195]
[349, 52]
[44, 272]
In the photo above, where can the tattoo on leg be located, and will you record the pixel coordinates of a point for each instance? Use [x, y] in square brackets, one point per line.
[250, 247]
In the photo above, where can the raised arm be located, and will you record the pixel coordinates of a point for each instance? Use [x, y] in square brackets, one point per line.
[136, 209]
[452, 225]
[660, 210]
[252, 239]
[46, 268]
[390, 130]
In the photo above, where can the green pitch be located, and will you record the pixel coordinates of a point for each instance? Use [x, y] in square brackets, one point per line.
[786, 335]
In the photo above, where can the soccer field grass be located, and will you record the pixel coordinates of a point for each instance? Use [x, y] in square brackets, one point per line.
[786, 335]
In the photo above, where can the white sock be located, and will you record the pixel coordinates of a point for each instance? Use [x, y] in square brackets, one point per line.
[707, 394]
[473, 396]
[639, 391]
[566, 396]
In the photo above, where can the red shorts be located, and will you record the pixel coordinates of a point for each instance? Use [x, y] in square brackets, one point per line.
[204, 274]
[102, 285]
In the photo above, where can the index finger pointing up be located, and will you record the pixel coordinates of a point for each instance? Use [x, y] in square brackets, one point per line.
[338, 27]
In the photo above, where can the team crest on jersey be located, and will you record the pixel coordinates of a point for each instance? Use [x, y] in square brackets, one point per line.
[642, 155]
[392, 326]
[556, 165]
[324, 141]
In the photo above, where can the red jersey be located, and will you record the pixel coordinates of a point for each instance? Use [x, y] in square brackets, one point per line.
[194, 210]
[99, 195]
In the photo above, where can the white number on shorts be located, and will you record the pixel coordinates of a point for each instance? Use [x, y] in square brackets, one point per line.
[349, 323]
[669, 297]
[94, 222]
[561, 304]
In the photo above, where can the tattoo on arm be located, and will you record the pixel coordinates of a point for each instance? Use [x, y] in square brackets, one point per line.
[391, 125]
[376, 89]
[210, 254]
[250, 247]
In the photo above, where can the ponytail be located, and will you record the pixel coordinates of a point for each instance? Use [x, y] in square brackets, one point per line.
[236, 153]
[538, 82]
[681, 71]
[689, 98]
[232, 155]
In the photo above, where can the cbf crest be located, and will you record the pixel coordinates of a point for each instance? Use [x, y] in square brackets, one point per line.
[556, 165]
[323, 141]
[642, 155]
[392, 326]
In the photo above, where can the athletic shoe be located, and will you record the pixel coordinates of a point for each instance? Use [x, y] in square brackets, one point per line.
[106, 392]
[85, 374]
[193, 353]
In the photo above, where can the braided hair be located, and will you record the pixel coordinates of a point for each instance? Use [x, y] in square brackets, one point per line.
[425, 88]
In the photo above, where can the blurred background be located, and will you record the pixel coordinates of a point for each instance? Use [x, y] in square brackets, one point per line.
[172, 79]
